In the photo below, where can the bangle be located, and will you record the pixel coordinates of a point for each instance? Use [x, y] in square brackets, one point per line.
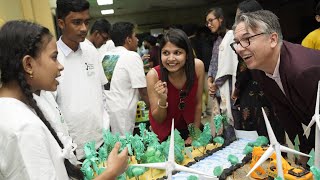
[163, 107]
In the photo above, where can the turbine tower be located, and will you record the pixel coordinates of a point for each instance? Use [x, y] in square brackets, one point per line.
[315, 119]
[171, 165]
[274, 147]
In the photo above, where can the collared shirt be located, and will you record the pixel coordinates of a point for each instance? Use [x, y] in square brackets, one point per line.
[65, 49]
[276, 76]
[80, 95]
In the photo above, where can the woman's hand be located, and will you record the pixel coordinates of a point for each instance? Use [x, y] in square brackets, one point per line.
[212, 88]
[162, 91]
[116, 163]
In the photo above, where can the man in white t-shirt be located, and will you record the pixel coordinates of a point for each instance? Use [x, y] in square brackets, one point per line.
[79, 94]
[124, 70]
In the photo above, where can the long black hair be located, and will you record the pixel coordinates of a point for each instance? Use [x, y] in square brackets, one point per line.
[180, 39]
[18, 39]
[218, 13]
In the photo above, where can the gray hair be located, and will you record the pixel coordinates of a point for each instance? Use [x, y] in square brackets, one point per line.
[262, 20]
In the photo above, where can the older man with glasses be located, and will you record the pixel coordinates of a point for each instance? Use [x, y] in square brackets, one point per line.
[288, 73]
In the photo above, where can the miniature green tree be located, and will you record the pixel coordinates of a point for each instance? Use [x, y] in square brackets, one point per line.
[89, 165]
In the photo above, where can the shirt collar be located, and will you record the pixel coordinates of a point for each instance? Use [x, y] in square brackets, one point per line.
[276, 73]
[66, 50]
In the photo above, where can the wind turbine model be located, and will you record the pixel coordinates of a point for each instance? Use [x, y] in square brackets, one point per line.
[171, 165]
[274, 146]
[314, 119]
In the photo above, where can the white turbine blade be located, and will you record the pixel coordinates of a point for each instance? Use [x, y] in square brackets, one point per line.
[315, 117]
[186, 169]
[272, 137]
[263, 158]
[288, 150]
[309, 126]
[161, 165]
[171, 147]
[169, 176]
[279, 160]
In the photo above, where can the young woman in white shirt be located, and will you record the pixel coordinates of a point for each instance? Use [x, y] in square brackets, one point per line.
[30, 147]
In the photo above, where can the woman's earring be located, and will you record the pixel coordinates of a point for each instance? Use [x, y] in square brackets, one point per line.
[31, 75]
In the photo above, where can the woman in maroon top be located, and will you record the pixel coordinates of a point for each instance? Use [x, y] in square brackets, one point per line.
[175, 87]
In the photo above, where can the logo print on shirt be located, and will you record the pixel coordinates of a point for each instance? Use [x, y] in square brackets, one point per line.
[109, 62]
[61, 118]
[90, 69]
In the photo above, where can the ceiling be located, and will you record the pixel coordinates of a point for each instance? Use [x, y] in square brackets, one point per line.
[122, 7]
[125, 7]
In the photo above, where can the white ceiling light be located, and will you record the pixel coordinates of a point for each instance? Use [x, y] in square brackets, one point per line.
[104, 2]
[107, 11]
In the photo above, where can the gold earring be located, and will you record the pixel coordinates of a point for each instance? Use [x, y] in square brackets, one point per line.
[31, 75]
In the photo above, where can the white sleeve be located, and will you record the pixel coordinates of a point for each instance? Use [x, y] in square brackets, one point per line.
[12, 165]
[136, 72]
[36, 156]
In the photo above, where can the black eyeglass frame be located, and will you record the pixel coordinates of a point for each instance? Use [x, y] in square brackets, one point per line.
[247, 40]
[182, 97]
[210, 21]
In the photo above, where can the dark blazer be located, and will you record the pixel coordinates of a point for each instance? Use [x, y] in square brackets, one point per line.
[299, 72]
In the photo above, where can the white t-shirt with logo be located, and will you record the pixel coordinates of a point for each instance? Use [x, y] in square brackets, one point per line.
[80, 93]
[125, 69]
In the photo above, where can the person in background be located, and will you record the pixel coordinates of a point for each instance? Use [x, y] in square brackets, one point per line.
[216, 23]
[99, 33]
[124, 70]
[204, 45]
[175, 87]
[289, 83]
[150, 44]
[312, 40]
[190, 30]
[201, 43]
[223, 67]
[249, 95]
[30, 147]
[80, 93]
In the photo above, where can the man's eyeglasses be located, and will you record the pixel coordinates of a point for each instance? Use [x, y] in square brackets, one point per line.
[209, 21]
[245, 42]
[182, 96]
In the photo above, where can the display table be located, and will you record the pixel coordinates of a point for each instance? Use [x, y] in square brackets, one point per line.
[218, 158]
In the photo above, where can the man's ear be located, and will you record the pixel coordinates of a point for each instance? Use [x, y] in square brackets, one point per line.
[274, 39]
[317, 17]
[128, 40]
[61, 24]
[28, 64]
